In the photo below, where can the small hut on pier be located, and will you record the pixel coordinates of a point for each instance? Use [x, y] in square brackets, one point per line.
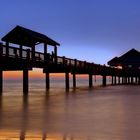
[130, 65]
[17, 58]
[129, 60]
[26, 37]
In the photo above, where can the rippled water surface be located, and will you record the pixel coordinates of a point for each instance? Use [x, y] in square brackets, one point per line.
[101, 113]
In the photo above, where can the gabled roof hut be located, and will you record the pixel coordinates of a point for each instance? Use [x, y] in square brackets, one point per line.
[26, 37]
[129, 59]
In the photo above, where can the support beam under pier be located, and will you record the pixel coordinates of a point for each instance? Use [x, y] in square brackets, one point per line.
[67, 80]
[25, 81]
[74, 80]
[104, 80]
[128, 80]
[119, 80]
[132, 80]
[139, 80]
[136, 81]
[112, 80]
[115, 80]
[1, 81]
[90, 81]
[47, 81]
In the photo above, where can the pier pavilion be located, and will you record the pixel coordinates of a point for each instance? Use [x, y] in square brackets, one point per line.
[18, 58]
[130, 64]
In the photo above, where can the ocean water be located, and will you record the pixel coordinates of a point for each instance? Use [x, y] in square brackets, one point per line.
[100, 113]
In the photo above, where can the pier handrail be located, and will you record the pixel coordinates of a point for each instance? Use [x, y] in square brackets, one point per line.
[14, 52]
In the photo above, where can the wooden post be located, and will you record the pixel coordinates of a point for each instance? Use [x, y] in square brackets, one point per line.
[33, 52]
[115, 80]
[139, 80]
[47, 80]
[47, 59]
[112, 80]
[122, 80]
[136, 80]
[45, 52]
[7, 49]
[67, 80]
[75, 63]
[28, 54]
[55, 50]
[125, 79]
[55, 53]
[25, 81]
[104, 80]
[132, 80]
[1, 50]
[128, 80]
[20, 51]
[1, 81]
[119, 80]
[90, 80]
[64, 62]
[74, 80]
[45, 49]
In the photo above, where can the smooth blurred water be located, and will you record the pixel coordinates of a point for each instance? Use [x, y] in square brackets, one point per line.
[101, 113]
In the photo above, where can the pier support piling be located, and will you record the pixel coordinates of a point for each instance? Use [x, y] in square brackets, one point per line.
[119, 80]
[128, 80]
[67, 80]
[136, 80]
[47, 80]
[139, 80]
[25, 81]
[115, 82]
[112, 80]
[74, 80]
[124, 80]
[1, 81]
[132, 80]
[104, 80]
[90, 81]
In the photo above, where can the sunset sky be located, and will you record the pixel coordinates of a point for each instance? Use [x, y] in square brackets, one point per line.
[91, 30]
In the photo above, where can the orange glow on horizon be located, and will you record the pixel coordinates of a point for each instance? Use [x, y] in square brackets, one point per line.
[38, 74]
[32, 74]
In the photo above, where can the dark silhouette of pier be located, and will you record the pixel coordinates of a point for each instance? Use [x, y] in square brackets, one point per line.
[22, 56]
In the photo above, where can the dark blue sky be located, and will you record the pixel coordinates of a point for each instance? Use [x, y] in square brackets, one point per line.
[92, 30]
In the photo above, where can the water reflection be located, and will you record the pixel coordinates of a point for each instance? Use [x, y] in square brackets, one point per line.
[24, 119]
[23, 133]
[14, 136]
[98, 114]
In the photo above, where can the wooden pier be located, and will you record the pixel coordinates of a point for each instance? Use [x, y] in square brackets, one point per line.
[24, 57]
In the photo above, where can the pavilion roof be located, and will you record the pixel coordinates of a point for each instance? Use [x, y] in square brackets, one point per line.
[131, 53]
[26, 37]
[114, 61]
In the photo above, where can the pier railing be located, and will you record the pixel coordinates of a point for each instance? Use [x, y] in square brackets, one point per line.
[14, 58]
[26, 54]
[14, 52]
